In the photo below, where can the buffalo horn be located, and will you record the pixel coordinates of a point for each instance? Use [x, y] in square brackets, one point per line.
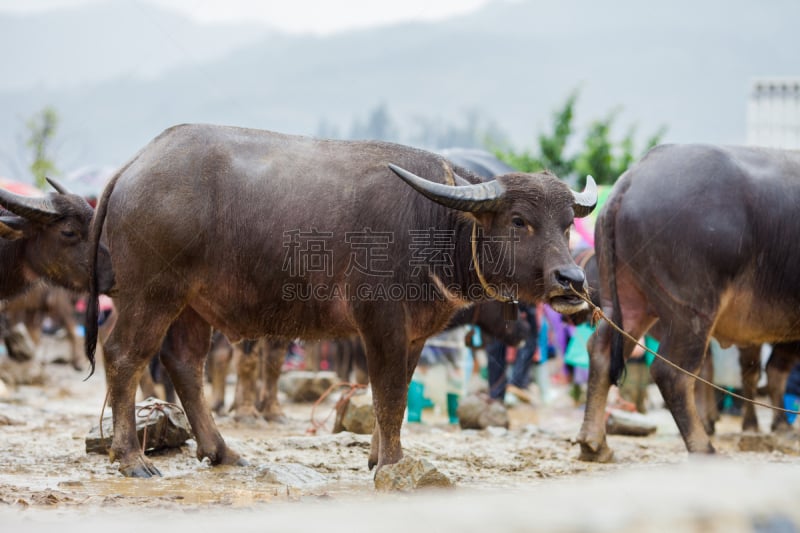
[57, 185]
[32, 208]
[584, 202]
[473, 198]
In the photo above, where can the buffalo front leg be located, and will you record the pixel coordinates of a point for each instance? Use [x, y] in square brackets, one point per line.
[388, 356]
[190, 336]
[244, 407]
[274, 353]
[592, 436]
[219, 360]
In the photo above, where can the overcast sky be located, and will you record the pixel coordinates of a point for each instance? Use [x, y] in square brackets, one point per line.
[317, 16]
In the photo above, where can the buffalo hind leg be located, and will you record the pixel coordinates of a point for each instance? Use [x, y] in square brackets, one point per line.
[126, 354]
[685, 348]
[784, 356]
[704, 396]
[244, 407]
[191, 337]
[750, 363]
[274, 353]
[219, 360]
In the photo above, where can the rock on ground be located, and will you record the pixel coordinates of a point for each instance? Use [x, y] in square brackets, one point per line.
[305, 386]
[355, 414]
[292, 475]
[477, 412]
[410, 474]
[165, 425]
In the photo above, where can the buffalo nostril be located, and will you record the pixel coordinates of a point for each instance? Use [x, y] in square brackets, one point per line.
[571, 277]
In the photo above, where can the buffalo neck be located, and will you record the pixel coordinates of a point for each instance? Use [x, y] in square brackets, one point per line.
[463, 276]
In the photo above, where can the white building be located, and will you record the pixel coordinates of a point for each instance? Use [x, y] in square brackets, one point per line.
[773, 113]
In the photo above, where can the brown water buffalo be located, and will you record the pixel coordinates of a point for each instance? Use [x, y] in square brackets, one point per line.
[43, 301]
[258, 368]
[47, 238]
[257, 233]
[702, 239]
[782, 358]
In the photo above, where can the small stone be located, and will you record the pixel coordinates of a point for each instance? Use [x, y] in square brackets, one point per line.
[787, 442]
[355, 415]
[292, 475]
[476, 412]
[410, 474]
[6, 421]
[19, 344]
[305, 386]
[167, 427]
[497, 431]
[756, 442]
[631, 424]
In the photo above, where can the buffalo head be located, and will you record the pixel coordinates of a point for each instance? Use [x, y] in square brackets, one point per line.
[53, 235]
[521, 225]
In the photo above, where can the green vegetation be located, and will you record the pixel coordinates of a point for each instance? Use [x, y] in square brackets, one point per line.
[599, 155]
[41, 132]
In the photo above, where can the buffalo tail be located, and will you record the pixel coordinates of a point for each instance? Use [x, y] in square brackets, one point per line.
[93, 302]
[606, 240]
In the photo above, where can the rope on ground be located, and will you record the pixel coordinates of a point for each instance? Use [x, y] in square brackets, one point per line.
[598, 313]
[157, 407]
[316, 425]
[149, 409]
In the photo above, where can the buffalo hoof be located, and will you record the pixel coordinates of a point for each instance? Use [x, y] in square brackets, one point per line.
[276, 417]
[218, 408]
[226, 457]
[141, 468]
[372, 464]
[602, 453]
[781, 426]
[250, 419]
[702, 448]
[748, 426]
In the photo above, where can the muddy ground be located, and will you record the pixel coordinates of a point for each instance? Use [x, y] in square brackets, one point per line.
[524, 478]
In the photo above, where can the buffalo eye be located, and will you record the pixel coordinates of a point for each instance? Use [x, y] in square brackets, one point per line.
[68, 233]
[518, 222]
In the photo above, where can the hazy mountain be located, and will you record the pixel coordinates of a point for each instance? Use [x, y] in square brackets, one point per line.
[98, 42]
[686, 64]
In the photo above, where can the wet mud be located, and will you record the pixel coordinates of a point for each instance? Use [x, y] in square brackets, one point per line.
[44, 465]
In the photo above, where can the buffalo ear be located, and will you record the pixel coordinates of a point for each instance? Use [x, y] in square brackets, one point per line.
[11, 227]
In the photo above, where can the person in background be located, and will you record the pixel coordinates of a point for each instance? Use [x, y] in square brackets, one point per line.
[519, 380]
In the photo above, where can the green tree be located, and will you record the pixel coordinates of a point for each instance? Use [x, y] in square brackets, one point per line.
[42, 129]
[600, 156]
[606, 160]
[550, 150]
